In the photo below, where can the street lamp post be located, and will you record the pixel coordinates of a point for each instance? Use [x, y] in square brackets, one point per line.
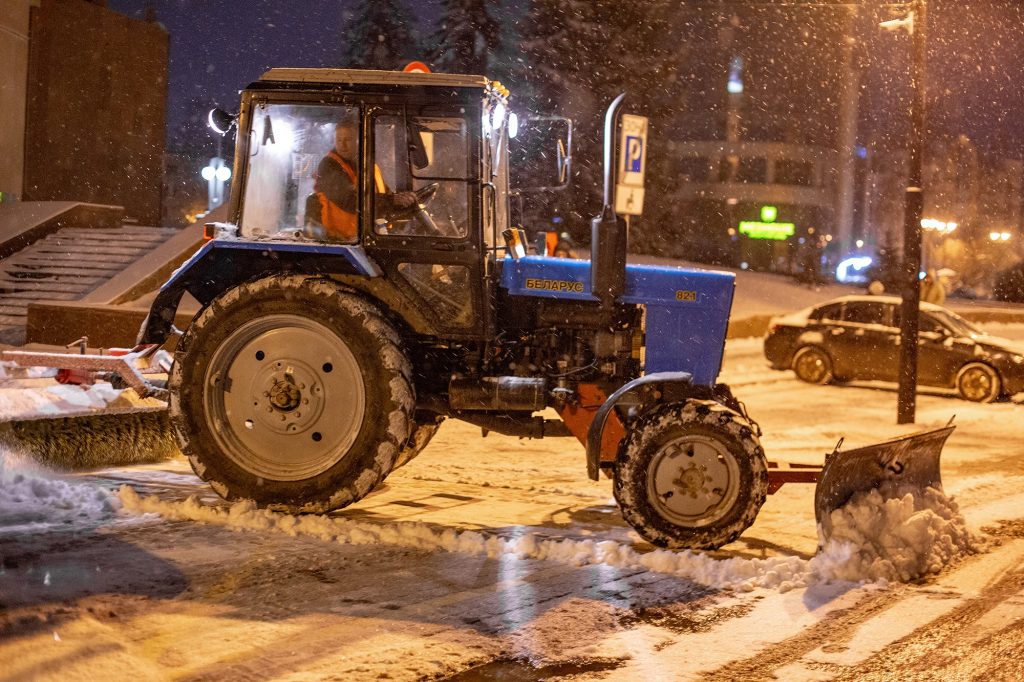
[907, 401]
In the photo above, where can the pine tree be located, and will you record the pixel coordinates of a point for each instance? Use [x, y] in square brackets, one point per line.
[378, 35]
[466, 36]
[577, 55]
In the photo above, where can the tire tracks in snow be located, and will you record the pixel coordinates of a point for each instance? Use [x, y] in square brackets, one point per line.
[905, 632]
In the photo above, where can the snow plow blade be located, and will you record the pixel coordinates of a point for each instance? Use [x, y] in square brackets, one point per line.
[911, 461]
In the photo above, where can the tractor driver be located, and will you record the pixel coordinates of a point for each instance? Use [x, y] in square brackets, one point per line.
[332, 208]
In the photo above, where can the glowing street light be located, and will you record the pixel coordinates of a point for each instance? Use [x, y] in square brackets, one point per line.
[939, 226]
[216, 174]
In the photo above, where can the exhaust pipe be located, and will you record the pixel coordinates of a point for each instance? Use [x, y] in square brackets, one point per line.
[608, 238]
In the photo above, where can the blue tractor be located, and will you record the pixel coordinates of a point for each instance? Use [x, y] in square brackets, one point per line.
[327, 353]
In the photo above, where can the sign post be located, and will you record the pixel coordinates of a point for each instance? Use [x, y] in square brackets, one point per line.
[629, 187]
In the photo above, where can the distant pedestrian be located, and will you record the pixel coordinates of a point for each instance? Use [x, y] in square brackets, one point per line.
[932, 290]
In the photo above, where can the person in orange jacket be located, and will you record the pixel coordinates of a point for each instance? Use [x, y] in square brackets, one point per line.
[334, 202]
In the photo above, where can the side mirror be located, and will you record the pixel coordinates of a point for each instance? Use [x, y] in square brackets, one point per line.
[221, 121]
[540, 155]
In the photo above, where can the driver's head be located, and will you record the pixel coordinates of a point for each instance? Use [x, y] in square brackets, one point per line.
[346, 138]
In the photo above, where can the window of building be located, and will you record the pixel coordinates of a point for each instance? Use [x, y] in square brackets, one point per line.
[792, 172]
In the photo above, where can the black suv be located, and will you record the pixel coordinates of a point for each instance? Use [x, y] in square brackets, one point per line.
[858, 337]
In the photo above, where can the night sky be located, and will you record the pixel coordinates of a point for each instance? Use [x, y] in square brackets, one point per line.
[976, 59]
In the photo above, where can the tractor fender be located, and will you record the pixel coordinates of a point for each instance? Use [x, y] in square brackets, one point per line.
[222, 264]
[596, 430]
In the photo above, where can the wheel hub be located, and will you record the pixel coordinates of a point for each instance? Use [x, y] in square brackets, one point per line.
[293, 398]
[285, 397]
[693, 481]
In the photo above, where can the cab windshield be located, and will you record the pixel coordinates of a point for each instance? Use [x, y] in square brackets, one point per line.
[288, 143]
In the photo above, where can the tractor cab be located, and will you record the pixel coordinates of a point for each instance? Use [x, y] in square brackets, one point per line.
[408, 169]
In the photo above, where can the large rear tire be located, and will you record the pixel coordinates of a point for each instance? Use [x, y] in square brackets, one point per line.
[292, 392]
[421, 435]
[691, 475]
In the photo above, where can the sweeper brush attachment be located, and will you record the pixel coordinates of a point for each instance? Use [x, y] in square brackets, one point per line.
[68, 420]
[93, 440]
[910, 462]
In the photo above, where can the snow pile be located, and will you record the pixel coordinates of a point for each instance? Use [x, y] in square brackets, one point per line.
[10, 372]
[877, 537]
[780, 573]
[30, 495]
[894, 534]
[21, 403]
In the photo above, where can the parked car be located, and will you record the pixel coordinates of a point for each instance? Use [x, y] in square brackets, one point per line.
[858, 337]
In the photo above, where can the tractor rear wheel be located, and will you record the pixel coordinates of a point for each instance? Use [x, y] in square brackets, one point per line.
[690, 475]
[292, 392]
[421, 436]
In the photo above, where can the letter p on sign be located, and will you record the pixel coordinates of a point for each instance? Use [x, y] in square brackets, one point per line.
[634, 154]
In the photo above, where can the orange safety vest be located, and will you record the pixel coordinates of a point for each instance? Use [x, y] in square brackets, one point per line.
[337, 221]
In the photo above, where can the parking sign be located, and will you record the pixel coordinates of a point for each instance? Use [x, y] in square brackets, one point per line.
[629, 190]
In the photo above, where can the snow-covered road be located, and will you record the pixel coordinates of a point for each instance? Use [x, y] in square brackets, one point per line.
[496, 558]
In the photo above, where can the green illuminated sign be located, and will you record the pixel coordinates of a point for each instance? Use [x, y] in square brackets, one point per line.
[758, 230]
[767, 228]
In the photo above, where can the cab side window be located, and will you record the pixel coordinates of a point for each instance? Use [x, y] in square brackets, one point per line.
[428, 156]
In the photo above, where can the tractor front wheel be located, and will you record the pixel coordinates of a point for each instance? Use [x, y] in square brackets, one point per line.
[690, 475]
[292, 392]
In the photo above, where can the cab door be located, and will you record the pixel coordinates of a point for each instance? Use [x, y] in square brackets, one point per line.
[430, 249]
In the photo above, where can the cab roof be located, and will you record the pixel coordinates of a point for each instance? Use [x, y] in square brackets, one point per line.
[369, 77]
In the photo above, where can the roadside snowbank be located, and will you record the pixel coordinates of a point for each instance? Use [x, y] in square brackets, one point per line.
[875, 540]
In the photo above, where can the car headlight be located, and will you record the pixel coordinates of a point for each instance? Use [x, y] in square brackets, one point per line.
[1017, 358]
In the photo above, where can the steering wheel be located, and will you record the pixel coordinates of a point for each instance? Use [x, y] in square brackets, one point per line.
[426, 193]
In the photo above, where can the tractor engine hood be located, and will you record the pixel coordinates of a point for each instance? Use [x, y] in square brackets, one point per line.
[687, 310]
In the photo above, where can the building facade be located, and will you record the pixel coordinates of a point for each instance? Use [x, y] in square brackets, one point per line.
[95, 107]
[14, 36]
